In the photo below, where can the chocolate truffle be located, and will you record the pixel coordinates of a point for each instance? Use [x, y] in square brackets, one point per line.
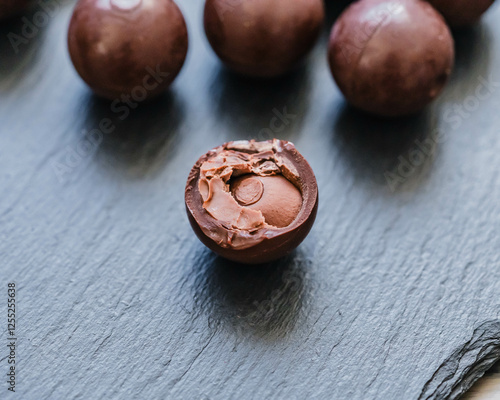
[10, 8]
[127, 48]
[252, 202]
[461, 13]
[391, 57]
[263, 38]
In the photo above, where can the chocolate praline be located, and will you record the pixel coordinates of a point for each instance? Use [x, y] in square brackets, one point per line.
[391, 57]
[459, 13]
[10, 8]
[252, 202]
[262, 38]
[127, 47]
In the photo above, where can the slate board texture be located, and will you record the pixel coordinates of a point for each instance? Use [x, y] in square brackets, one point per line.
[395, 294]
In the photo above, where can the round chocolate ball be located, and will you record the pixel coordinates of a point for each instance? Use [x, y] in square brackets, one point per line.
[127, 48]
[252, 202]
[391, 57]
[10, 8]
[263, 38]
[459, 13]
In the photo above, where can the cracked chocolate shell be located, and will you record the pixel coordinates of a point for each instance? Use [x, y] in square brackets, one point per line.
[252, 202]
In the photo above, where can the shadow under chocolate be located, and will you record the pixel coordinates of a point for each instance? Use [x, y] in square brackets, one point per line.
[261, 108]
[333, 9]
[263, 301]
[473, 52]
[19, 46]
[376, 148]
[143, 136]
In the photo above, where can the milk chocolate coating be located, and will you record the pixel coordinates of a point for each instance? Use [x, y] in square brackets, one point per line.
[121, 45]
[10, 8]
[459, 13]
[263, 38]
[252, 202]
[391, 57]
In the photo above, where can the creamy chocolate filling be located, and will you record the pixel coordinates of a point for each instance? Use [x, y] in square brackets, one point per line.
[248, 186]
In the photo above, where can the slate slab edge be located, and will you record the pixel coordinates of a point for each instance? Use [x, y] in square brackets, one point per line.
[466, 365]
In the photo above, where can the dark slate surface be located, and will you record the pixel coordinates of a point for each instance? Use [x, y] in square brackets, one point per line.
[394, 295]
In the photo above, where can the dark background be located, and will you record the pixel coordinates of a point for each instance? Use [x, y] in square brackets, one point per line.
[395, 294]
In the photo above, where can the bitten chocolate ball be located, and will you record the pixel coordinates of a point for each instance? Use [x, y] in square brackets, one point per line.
[252, 202]
[127, 48]
[459, 13]
[10, 8]
[391, 57]
[263, 38]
